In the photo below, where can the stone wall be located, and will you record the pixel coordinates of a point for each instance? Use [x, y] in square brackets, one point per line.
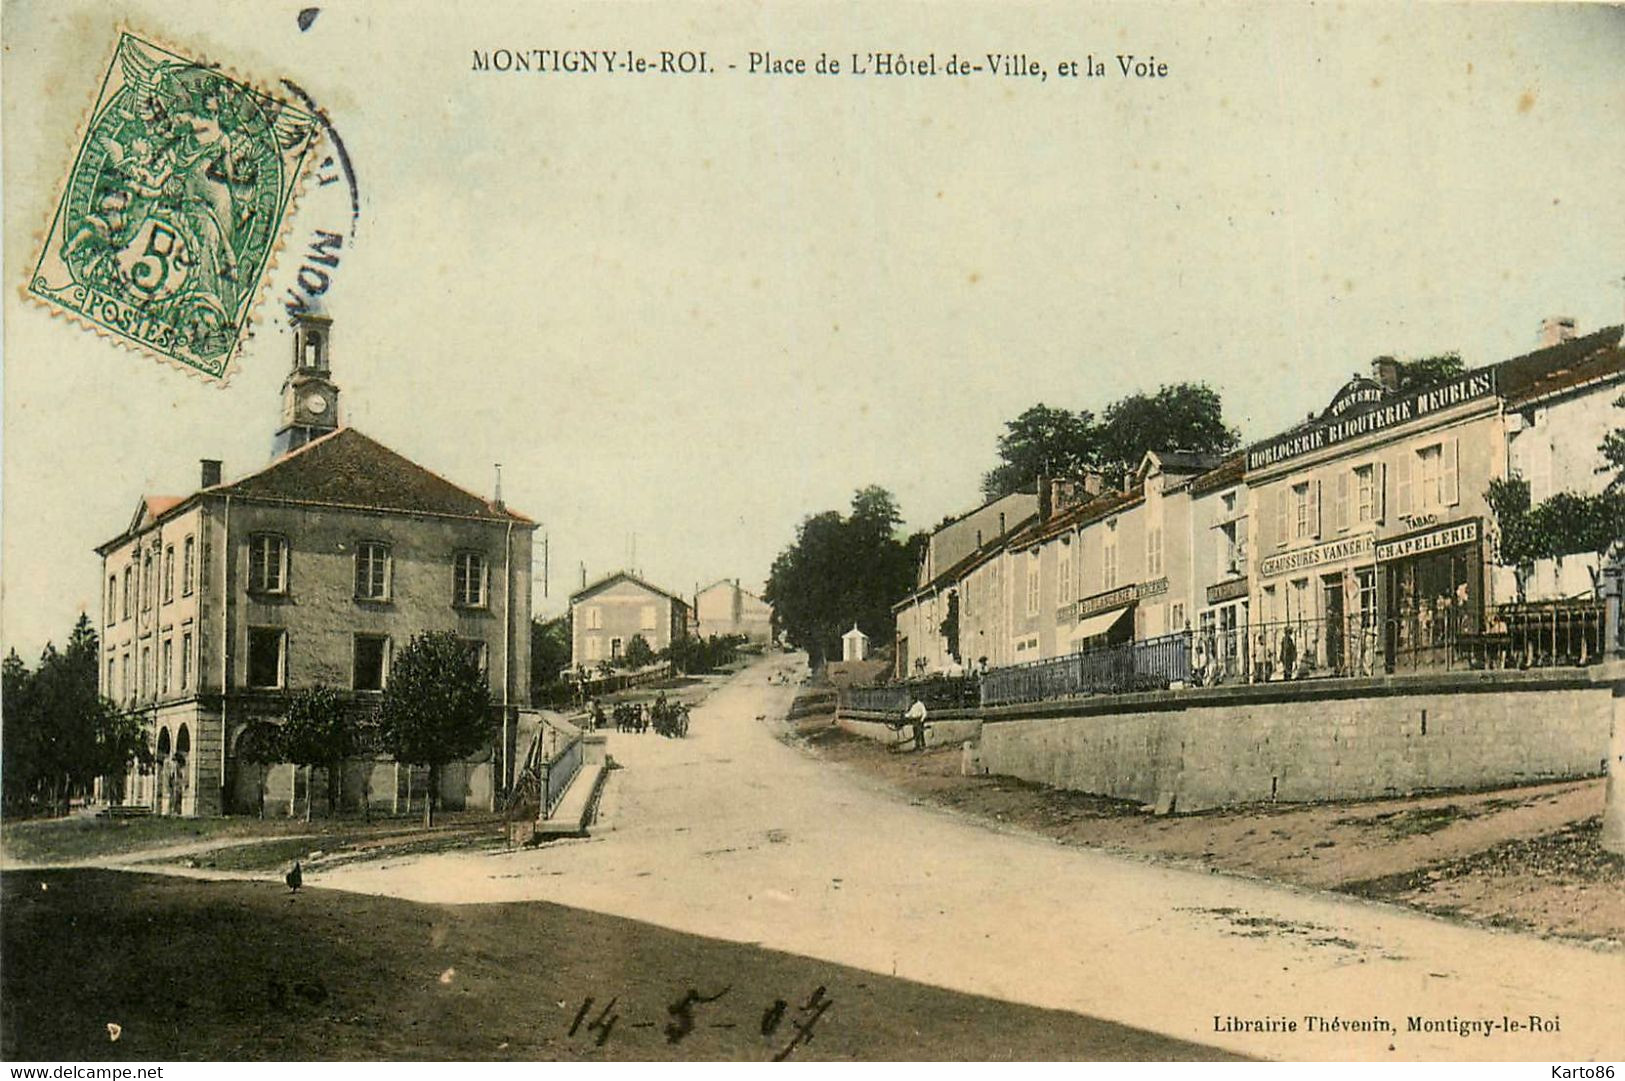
[1355, 739]
[953, 730]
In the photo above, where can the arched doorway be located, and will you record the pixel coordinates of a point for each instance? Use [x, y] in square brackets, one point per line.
[183, 748]
[162, 769]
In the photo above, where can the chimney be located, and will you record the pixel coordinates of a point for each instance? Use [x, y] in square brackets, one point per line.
[210, 472]
[1555, 330]
[1046, 498]
[1064, 493]
[497, 503]
[1093, 483]
[1385, 370]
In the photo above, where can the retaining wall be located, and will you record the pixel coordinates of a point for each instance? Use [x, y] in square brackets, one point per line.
[1191, 750]
[872, 725]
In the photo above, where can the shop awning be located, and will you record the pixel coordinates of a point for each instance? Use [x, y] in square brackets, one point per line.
[1091, 626]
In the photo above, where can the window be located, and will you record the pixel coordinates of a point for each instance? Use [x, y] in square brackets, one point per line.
[1428, 475]
[1176, 621]
[1367, 579]
[595, 618]
[648, 621]
[372, 571]
[127, 578]
[475, 652]
[266, 649]
[1365, 494]
[186, 661]
[1153, 553]
[188, 565]
[371, 662]
[1108, 564]
[1065, 590]
[595, 648]
[267, 563]
[126, 685]
[107, 688]
[1229, 552]
[146, 671]
[1299, 600]
[169, 574]
[146, 583]
[615, 645]
[168, 665]
[112, 598]
[1436, 480]
[1300, 511]
[1032, 583]
[468, 580]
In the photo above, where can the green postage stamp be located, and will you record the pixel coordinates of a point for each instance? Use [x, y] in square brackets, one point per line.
[173, 207]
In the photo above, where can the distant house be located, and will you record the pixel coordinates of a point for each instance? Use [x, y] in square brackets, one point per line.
[609, 613]
[724, 609]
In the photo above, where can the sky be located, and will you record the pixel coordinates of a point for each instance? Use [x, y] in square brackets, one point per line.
[693, 311]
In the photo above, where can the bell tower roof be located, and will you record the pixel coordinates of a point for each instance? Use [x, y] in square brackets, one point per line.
[310, 398]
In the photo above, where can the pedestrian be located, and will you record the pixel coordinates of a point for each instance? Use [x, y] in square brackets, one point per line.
[916, 718]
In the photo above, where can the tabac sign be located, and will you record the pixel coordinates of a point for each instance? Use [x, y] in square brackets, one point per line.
[1373, 418]
[1417, 543]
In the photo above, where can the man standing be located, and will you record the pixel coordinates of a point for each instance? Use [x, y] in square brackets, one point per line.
[916, 718]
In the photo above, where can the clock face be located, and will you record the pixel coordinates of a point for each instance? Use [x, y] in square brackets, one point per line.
[316, 404]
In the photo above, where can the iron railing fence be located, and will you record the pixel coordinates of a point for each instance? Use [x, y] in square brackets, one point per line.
[557, 773]
[1154, 664]
[937, 692]
[1444, 637]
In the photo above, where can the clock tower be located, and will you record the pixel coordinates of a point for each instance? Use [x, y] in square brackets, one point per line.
[310, 400]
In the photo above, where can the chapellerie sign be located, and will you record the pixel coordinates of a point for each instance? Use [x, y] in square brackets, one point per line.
[1389, 414]
[1444, 537]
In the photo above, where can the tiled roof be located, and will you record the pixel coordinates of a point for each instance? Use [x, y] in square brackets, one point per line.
[348, 469]
[1185, 461]
[342, 469]
[619, 576]
[1228, 473]
[1559, 367]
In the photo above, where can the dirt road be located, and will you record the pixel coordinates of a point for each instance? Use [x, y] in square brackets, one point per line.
[734, 835]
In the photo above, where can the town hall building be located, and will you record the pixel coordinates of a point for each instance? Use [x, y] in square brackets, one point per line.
[317, 568]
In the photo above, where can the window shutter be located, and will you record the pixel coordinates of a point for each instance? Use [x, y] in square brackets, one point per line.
[1449, 472]
[1402, 495]
[1281, 496]
[1379, 490]
[1343, 478]
[1314, 509]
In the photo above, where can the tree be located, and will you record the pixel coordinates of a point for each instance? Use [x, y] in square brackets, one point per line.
[950, 625]
[842, 570]
[639, 652]
[1426, 371]
[1612, 449]
[549, 653]
[1042, 440]
[1568, 523]
[436, 708]
[19, 735]
[260, 745]
[1058, 442]
[319, 732]
[1183, 416]
[63, 733]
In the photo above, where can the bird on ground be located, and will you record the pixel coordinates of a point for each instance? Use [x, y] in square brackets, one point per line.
[295, 878]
